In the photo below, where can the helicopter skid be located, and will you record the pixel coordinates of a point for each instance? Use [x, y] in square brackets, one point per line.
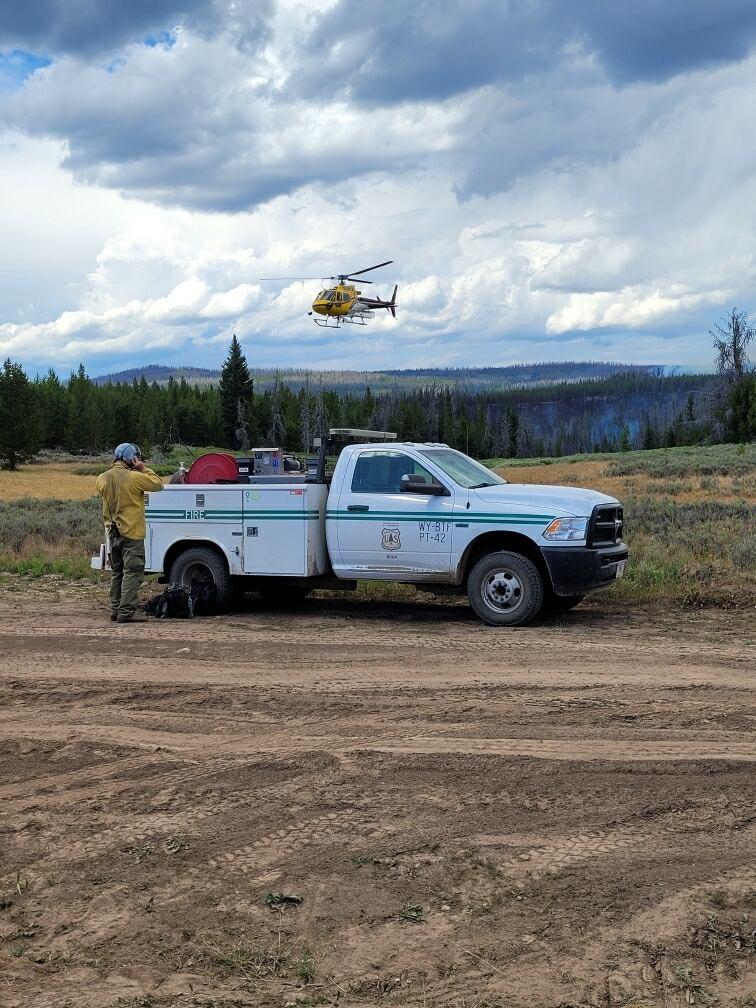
[335, 321]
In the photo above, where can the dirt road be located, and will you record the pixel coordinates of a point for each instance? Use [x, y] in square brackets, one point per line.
[557, 816]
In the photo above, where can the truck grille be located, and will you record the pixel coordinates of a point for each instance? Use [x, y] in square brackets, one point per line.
[606, 526]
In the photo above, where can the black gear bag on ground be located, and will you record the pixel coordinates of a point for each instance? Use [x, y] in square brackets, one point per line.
[178, 602]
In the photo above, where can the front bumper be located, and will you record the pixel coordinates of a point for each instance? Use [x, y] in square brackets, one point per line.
[577, 570]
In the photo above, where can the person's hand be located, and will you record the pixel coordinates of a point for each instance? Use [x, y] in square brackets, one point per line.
[139, 465]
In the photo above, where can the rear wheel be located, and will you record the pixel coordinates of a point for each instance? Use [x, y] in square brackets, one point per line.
[505, 589]
[206, 567]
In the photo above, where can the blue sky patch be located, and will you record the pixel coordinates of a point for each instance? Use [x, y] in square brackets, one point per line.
[16, 65]
[166, 39]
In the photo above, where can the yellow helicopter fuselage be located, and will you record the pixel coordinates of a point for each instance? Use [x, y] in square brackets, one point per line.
[335, 301]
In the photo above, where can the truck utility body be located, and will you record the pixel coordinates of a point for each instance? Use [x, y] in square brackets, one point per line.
[421, 514]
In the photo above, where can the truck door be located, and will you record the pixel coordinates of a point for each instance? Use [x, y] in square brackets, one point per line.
[386, 534]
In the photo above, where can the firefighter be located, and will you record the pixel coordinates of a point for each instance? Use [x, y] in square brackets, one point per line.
[122, 489]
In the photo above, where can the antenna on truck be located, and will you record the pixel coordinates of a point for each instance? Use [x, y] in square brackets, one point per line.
[316, 467]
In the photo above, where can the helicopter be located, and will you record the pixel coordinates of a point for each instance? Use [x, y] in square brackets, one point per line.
[344, 303]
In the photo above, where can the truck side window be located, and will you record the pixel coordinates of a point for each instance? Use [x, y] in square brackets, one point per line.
[382, 471]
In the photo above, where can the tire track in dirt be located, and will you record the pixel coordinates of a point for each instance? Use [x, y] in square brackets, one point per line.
[290, 744]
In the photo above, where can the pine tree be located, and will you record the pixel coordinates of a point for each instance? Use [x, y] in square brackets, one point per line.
[369, 405]
[235, 388]
[51, 396]
[513, 429]
[277, 430]
[305, 417]
[690, 409]
[83, 428]
[624, 441]
[20, 426]
[650, 439]
[742, 412]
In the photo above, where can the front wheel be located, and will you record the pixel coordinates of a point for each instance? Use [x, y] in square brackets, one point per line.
[505, 589]
[206, 567]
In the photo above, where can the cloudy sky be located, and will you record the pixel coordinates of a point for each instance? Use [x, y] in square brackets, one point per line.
[556, 179]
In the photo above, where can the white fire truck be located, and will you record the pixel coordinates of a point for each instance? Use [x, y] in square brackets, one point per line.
[421, 514]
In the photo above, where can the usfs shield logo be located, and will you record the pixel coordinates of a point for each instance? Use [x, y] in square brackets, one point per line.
[391, 539]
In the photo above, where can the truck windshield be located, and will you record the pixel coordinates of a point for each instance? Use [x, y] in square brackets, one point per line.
[462, 469]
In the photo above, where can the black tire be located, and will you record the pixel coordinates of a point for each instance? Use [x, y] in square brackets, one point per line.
[505, 589]
[207, 565]
[283, 594]
[561, 603]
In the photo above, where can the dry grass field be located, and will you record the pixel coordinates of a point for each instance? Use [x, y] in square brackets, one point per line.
[47, 480]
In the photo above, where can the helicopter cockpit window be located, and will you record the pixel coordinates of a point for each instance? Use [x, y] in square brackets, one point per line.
[321, 296]
[330, 296]
[343, 297]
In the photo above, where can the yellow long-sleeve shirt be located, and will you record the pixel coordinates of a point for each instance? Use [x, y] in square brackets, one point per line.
[122, 491]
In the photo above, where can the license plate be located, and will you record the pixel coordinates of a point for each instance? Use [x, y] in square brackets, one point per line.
[620, 568]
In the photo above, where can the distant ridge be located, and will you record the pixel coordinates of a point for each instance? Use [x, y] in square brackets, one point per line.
[356, 382]
[159, 373]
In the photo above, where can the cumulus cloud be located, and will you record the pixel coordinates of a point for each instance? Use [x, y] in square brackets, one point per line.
[386, 52]
[551, 179]
[135, 324]
[92, 28]
[198, 125]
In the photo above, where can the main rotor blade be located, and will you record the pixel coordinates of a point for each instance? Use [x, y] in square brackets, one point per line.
[342, 278]
[260, 279]
[368, 270]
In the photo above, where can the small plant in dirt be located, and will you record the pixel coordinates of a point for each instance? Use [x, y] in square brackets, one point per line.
[413, 913]
[139, 851]
[692, 991]
[174, 844]
[248, 961]
[722, 936]
[304, 967]
[279, 902]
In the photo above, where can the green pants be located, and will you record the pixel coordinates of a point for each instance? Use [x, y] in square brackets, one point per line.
[127, 561]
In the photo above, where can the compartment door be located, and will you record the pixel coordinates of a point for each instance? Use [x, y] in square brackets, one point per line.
[275, 533]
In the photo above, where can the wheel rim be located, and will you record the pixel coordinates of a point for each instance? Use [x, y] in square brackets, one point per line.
[199, 572]
[503, 591]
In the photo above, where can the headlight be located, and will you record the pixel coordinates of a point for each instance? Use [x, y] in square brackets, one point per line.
[566, 528]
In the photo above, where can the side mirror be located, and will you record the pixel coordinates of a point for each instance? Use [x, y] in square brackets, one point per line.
[415, 483]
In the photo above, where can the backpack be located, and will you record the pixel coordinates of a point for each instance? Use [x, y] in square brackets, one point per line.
[177, 602]
[174, 603]
[203, 598]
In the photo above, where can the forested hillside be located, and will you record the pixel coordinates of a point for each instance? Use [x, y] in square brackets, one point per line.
[628, 409]
[357, 382]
